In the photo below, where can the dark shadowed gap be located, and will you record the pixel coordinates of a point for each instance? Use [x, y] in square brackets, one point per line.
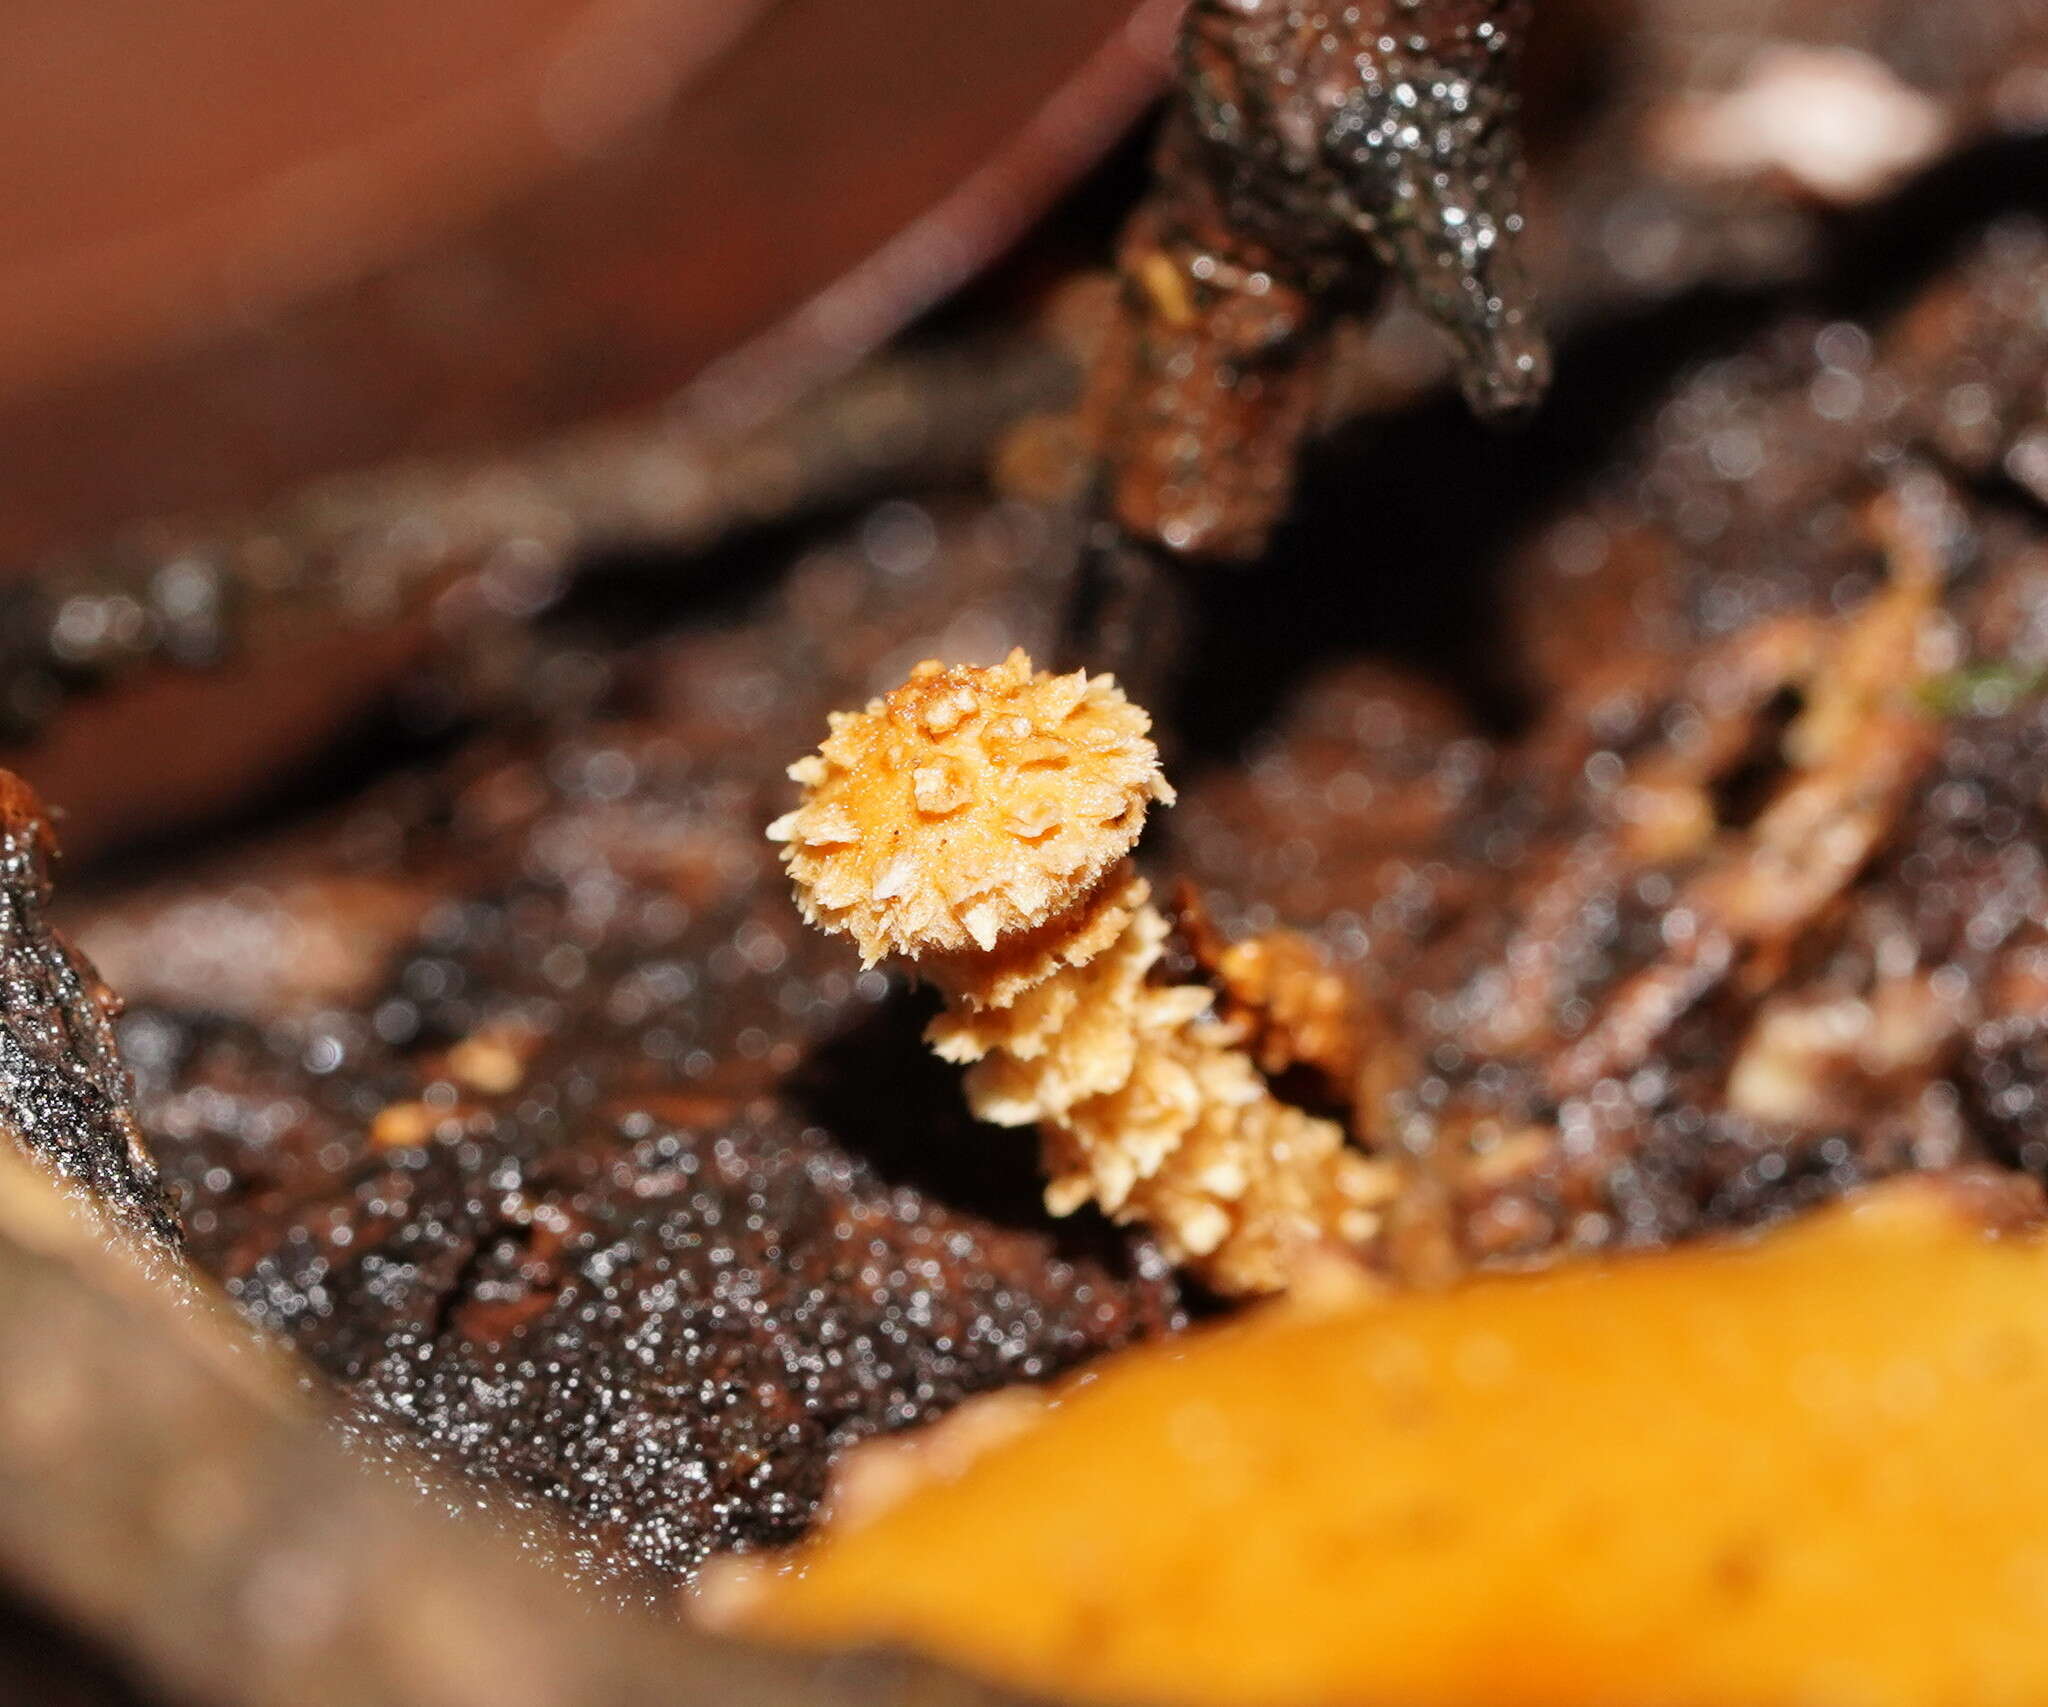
[1404, 524]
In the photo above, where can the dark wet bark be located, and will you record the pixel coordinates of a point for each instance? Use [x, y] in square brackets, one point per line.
[64, 1093]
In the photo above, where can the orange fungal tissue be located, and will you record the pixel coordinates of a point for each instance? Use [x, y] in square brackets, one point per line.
[977, 822]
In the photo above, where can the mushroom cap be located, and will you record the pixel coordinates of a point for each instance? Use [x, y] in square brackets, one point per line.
[968, 805]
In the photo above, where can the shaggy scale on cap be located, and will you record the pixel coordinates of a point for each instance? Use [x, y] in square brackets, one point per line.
[968, 805]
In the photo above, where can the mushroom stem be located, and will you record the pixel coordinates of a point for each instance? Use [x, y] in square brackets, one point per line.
[1147, 1105]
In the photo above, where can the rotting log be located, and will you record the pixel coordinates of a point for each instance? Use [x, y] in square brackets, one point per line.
[168, 1491]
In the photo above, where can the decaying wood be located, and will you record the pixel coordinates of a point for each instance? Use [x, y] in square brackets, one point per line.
[169, 1485]
[64, 1094]
[368, 549]
[166, 1489]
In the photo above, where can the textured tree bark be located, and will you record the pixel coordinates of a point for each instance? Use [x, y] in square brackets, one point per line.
[64, 1093]
[172, 1492]
[314, 603]
[167, 1490]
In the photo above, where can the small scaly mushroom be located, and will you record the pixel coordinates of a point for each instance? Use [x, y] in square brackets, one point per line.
[977, 822]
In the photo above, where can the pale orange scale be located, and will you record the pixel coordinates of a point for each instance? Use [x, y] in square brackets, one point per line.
[1061, 769]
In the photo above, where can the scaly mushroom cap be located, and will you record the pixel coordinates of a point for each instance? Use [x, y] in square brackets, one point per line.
[969, 804]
